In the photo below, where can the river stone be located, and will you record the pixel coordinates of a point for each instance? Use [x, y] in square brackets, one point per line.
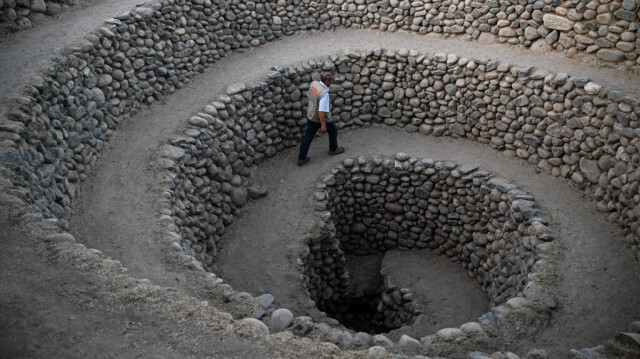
[38, 6]
[471, 327]
[592, 88]
[172, 152]
[236, 88]
[449, 333]
[256, 192]
[409, 344]
[254, 327]
[59, 238]
[376, 353]
[590, 169]
[238, 196]
[457, 129]
[394, 208]
[281, 319]
[144, 12]
[264, 303]
[105, 79]
[610, 55]
[198, 121]
[557, 22]
[10, 156]
[625, 15]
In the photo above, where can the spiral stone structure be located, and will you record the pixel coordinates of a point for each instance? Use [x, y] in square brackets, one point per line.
[148, 191]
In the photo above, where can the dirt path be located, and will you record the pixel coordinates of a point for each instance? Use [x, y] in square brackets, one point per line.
[26, 53]
[118, 203]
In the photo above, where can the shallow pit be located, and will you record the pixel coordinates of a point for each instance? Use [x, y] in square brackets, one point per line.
[368, 206]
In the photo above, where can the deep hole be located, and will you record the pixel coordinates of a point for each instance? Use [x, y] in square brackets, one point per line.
[367, 307]
[371, 206]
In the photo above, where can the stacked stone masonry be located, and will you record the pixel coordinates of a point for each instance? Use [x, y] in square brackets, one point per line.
[330, 286]
[607, 30]
[570, 126]
[372, 205]
[53, 136]
[16, 15]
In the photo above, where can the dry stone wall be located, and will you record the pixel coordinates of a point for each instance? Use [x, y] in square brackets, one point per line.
[16, 15]
[570, 126]
[371, 205]
[607, 30]
[53, 135]
[549, 120]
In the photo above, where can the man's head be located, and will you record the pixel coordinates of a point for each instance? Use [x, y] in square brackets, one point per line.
[326, 78]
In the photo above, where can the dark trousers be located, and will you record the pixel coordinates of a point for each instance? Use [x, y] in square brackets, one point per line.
[312, 129]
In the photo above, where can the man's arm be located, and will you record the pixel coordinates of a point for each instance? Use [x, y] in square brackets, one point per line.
[323, 108]
[323, 121]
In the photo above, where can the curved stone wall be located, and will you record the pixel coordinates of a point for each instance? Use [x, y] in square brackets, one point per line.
[606, 30]
[573, 127]
[16, 15]
[372, 205]
[569, 126]
[55, 132]
[486, 224]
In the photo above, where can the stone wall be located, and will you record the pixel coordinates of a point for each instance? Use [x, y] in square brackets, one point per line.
[373, 205]
[607, 30]
[16, 15]
[54, 134]
[568, 126]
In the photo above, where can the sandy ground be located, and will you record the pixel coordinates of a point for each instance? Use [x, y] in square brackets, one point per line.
[117, 212]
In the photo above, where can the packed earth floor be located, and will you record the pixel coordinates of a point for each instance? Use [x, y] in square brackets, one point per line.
[58, 303]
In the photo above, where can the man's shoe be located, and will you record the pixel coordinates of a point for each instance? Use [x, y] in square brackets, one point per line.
[337, 151]
[302, 162]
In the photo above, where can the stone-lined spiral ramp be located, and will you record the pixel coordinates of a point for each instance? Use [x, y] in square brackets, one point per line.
[46, 287]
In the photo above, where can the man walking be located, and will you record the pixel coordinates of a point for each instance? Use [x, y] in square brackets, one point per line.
[319, 118]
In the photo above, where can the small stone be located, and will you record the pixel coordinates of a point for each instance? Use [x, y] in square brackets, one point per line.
[376, 353]
[172, 152]
[38, 6]
[625, 15]
[449, 333]
[517, 302]
[144, 12]
[471, 328]
[302, 325]
[105, 79]
[253, 327]
[10, 156]
[557, 22]
[281, 319]
[590, 169]
[238, 196]
[592, 88]
[256, 192]
[409, 344]
[382, 340]
[635, 327]
[59, 238]
[198, 121]
[610, 55]
[236, 88]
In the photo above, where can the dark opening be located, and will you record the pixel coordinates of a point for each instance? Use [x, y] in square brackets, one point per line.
[372, 304]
